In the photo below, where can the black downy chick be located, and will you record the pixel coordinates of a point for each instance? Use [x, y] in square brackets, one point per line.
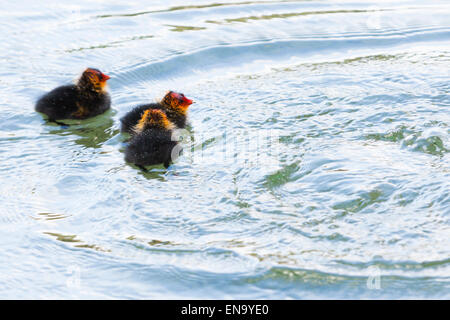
[175, 105]
[87, 98]
[152, 141]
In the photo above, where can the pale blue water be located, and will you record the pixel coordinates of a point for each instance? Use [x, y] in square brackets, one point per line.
[316, 166]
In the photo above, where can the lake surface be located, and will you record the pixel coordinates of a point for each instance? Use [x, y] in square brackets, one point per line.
[316, 163]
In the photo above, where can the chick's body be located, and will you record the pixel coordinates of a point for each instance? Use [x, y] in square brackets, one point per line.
[150, 147]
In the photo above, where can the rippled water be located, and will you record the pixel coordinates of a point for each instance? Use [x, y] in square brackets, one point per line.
[316, 164]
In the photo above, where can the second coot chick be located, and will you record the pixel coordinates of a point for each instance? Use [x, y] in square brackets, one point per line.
[174, 104]
[152, 140]
[87, 98]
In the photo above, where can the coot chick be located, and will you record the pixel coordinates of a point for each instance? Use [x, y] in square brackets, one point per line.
[152, 140]
[87, 98]
[174, 104]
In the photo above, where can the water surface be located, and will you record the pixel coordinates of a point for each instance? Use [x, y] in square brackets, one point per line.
[316, 164]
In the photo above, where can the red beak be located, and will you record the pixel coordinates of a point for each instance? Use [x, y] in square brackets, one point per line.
[105, 77]
[188, 101]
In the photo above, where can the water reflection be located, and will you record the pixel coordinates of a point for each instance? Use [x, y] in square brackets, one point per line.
[92, 133]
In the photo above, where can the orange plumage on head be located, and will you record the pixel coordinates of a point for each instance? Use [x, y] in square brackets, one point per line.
[96, 78]
[153, 118]
[177, 102]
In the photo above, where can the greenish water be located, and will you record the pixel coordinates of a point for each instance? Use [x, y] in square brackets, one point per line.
[316, 164]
